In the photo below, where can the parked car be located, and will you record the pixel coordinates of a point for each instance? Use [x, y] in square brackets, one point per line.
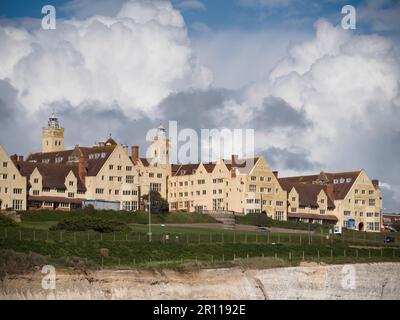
[388, 239]
[263, 229]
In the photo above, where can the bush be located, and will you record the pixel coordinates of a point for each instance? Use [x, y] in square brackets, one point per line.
[7, 221]
[86, 223]
[89, 209]
[256, 219]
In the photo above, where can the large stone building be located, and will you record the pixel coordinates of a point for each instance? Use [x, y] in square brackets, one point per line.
[107, 175]
[239, 185]
[357, 199]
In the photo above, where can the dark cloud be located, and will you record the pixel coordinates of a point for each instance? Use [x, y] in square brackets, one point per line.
[283, 159]
[277, 113]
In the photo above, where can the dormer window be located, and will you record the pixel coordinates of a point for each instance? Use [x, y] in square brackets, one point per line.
[335, 181]
[348, 180]
[342, 180]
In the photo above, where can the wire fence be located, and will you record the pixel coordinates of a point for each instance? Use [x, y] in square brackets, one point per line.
[232, 237]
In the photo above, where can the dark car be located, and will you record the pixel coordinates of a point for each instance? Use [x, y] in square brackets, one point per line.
[263, 229]
[388, 239]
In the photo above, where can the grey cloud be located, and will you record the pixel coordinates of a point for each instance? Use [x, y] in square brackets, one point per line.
[281, 159]
[276, 112]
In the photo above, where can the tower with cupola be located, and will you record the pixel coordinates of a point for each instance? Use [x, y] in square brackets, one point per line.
[52, 136]
[159, 150]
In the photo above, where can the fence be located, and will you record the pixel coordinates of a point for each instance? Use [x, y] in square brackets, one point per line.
[189, 237]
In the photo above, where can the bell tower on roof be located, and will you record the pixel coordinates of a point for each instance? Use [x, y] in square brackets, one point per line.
[52, 136]
[159, 149]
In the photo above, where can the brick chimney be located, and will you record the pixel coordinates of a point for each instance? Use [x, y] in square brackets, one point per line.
[329, 189]
[20, 158]
[275, 174]
[14, 157]
[135, 154]
[234, 160]
[82, 168]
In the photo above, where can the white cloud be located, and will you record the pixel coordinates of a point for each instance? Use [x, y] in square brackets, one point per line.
[191, 5]
[265, 3]
[134, 59]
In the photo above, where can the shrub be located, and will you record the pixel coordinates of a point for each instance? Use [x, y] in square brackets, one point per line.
[85, 223]
[7, 221]
[257, 219]
[89, 209]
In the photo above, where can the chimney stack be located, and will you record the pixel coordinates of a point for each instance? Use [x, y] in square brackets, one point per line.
[14, 157]
[234, 160]
[275, 174]
[135, 154]
[82, 168]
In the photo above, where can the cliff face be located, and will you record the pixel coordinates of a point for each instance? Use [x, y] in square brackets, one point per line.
[359, 281]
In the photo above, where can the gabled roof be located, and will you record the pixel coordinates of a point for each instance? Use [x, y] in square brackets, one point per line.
[243, 165]
[339, 183]
[185, 169]
[53, 175]
[96, 157]
[308, 193]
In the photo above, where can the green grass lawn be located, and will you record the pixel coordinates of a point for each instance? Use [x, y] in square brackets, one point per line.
[187, 246]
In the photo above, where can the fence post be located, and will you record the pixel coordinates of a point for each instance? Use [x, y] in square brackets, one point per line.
[126, 236]
[300, 239]
[357, 253]
[234, 256]
[394, 253]
[187, 239]
[20, 235]
[318, 254]
[381, 252]
[212, 259]
[247, 256]
[344, 252]
[369, 253]
[61, 238]
[263, 255]
[234, 237]
[5, 233]
[34, 235]
[303, 255]
[290, 256]
[279, 237]
[199, 238]
[331, 253]
[101, 237]
[276, 255]
[222, 238]
[210, 237]
[114, 236]
[290, 238]
[102, 261]
[119, 262]
[223, 258]
[88, 236]
[245, 237]
[256, 238]
[75, 237]
[267, 237]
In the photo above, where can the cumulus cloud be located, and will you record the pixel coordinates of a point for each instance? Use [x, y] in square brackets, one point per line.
[135, 58]
[191, 5]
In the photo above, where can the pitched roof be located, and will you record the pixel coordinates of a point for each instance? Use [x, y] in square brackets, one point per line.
[243, 165]
[186, 169]
[328, 217]
[96, 157]
[339, 183]
[53, 175]
[308, 193]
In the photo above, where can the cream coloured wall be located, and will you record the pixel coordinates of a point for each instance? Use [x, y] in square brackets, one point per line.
[356, 205]
[12, 184]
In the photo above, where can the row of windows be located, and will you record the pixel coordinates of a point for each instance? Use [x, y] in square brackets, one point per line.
[5, 176]
[262, 178]
[253, 188]
[371, 202]
[369, 214]
[363, 191]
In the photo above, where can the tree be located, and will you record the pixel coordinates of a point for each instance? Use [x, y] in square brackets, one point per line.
[158, 203]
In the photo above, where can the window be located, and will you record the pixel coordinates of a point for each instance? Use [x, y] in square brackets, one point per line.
[129, 179]
[99, 191]
[71, 195]
[47, 204]
[116, 192]
[5, 176]
[58, 159]
[262, 178]
[151, 175]
[63, 205]
[356, 191]
[17, 204]
[293, 198]
[17, 191]
[253, 178]
[269, 179]
[371, 202]
[35, 192]
[370, 214]
[119, 168]
[204, 192]
[46, 190]
[110, 178]
[129, 205]
[279, 203]
[377, 214]
[279, 215]
[252, 188]
[361, 213]
[4, 164]
[363, 191]
[36, 180]
[129, 168]
[322, 200]
[346, 213]
[322, 211]
[155, 187]
[119, 179]
[71, 183]
[159, 175]
[60, 190]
